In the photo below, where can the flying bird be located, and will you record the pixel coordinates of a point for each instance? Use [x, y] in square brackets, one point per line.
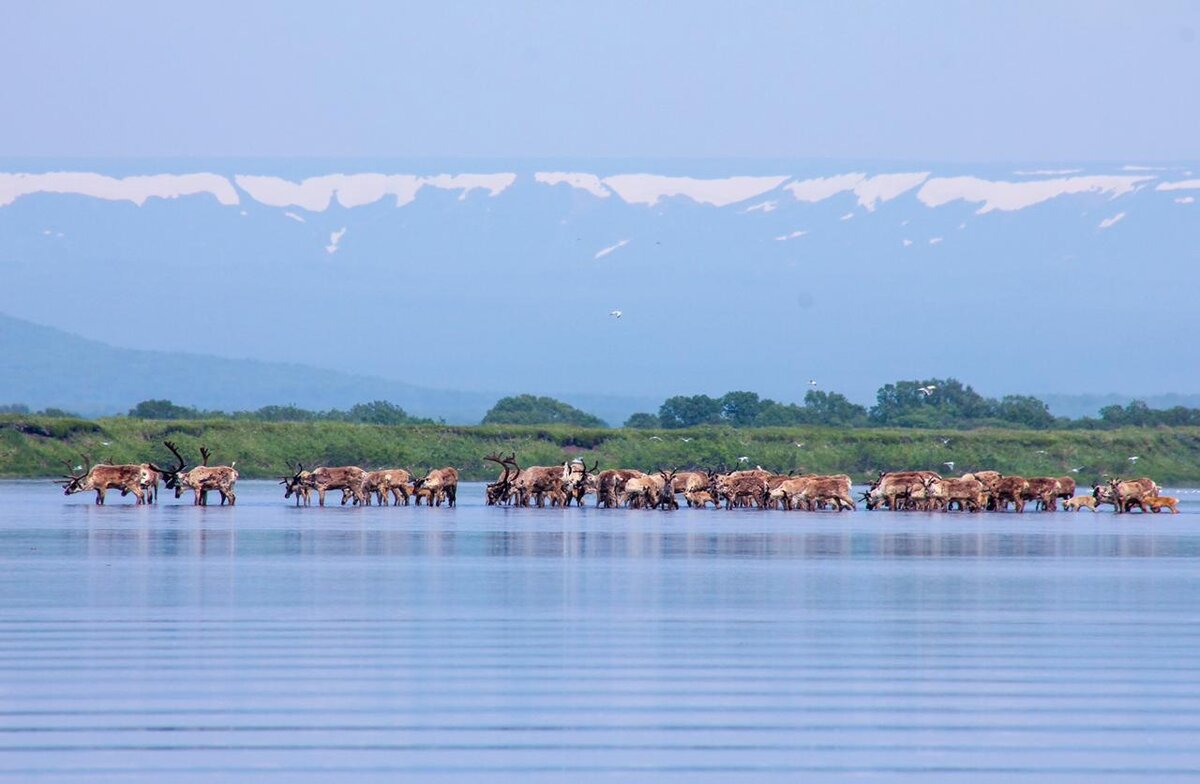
[78, 468]
[812, 382]
[950, 464]
[1076, 470]
[1041, 451]
[686, 440]
[743, 459]
[106, 443]
[945, 442]
[655, 438]
[1133, 459]
[799, 444]
[615, 313]
[927, 391]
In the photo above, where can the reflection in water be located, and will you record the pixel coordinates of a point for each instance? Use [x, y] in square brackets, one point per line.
[324, 542]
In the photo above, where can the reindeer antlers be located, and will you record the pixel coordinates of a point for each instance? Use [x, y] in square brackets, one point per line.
[171, 445]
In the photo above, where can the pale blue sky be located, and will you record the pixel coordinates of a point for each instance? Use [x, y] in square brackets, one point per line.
[1010, 81]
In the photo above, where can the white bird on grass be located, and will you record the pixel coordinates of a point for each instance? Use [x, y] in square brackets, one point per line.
[615, 313]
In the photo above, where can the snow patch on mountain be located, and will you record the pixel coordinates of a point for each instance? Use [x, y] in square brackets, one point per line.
[334, 238]
[587, 182]
[605, 251]
[1009, 196]
[648, 189]
[871, 191]
[1178, 185]
[355, 190]
[136, 189]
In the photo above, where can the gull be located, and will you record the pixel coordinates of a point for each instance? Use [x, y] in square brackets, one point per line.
[655, 438]
[812, 382]
[927, 391]
[949, 463]
[106, 443]
[1042, 452]
[615, 313]
[799, 444]
[743, 459]
[686, 440]
[77, 468]
[1133, 459]
[1077, 470]
[945, 442]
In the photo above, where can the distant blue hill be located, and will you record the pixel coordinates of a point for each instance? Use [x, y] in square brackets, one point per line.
[45, 367]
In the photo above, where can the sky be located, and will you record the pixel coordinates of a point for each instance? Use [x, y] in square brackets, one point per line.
[933, 81]
[948, 103]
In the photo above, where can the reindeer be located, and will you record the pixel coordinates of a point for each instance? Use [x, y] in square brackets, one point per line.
[200, 479]
[575, 478]
[666, 493]
[322, 479]
[102, 478]
[501, 491]
[536, 483]
[441, 483]
[384, 481]
[610, 485]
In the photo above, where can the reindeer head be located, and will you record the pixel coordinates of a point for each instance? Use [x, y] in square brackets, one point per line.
[74, 483]
[297, 482]
[171, 475]
[499, 490]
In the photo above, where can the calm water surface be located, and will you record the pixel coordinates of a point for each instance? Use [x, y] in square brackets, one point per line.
[272, 644]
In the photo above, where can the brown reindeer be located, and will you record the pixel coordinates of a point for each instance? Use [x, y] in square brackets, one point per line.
[303, 482]
[102, 478]
[610, 485]
[385, 483]
[201, 479]
[501, 491]
[442, 483]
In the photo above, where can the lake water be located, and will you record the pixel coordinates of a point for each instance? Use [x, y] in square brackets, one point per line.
[267, 643]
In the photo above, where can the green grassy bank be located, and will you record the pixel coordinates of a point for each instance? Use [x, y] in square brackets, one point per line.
[34, 446]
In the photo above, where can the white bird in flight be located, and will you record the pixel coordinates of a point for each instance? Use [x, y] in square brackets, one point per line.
[686, 440]
[1041, 451]
[927, 391]
[1133, 459]
[1076, 470]
[106, 443]
[615, 313]
[799, 444]
[655, 438]
[949, 463]
[78, 468]
[945, 442]
[743, 459]
[812, 382]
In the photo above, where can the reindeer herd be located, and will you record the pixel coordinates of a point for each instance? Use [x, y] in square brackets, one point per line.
[571, 483]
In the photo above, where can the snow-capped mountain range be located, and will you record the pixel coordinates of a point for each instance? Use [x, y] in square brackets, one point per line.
[501, 275]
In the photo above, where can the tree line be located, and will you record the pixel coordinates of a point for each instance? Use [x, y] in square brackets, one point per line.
[929, 403]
